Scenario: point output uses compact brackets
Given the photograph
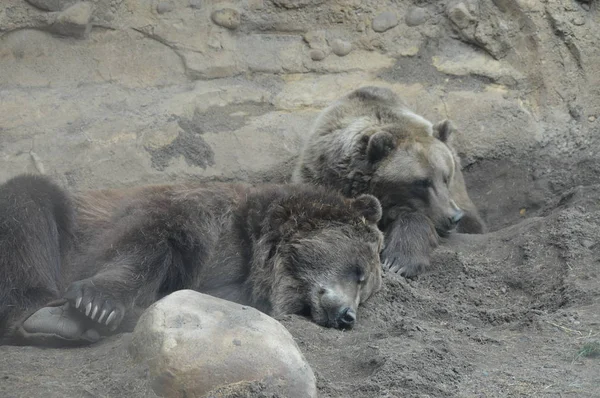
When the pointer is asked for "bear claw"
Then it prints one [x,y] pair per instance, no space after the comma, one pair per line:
[94,304]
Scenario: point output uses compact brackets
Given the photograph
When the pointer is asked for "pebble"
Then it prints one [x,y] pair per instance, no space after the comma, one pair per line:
[75,21]
[164,7]
[317,55]
[341,47]
[51,5]
[196,4]
[460,15]
[592,118]
[384,21]
[227,18]
[416,16]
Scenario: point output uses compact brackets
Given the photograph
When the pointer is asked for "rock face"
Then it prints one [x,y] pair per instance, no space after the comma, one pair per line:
[198,345]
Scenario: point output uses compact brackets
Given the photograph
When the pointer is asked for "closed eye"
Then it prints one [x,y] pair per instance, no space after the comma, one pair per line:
[423,183]
[360,275]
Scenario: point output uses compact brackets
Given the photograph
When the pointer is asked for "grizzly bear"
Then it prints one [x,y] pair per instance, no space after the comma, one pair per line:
[75,267]
[370,142]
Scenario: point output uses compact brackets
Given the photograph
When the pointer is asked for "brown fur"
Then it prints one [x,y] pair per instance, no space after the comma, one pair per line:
[281,249]
[370,142]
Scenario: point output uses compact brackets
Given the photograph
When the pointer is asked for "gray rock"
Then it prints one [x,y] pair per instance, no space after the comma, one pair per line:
[460,15]
[197,4]
[341,47]
[164,7]
[198,345]
[227,18]
[416,16]
[75,21]
[384,21]
[51,5]
[317,54]
[296,4]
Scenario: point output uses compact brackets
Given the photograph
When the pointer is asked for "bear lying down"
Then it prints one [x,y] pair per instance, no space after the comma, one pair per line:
[73,268]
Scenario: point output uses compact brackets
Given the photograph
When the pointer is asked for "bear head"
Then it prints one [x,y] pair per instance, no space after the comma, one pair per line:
[326,259]
[414,169]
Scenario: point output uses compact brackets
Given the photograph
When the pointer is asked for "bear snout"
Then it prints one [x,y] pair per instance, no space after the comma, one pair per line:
[456,217]
[346,318]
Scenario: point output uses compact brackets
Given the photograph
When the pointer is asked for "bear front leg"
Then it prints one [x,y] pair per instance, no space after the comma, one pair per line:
[409,241]
[131,275]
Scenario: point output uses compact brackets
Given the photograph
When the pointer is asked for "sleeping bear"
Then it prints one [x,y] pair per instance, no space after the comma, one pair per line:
[74,267]
[369,142]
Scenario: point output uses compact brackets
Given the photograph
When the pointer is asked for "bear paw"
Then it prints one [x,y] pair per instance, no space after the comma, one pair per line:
[407,267]
[95,305]
[55,325]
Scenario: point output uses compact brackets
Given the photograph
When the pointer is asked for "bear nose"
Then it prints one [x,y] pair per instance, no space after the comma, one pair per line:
[346,317]
[457,217]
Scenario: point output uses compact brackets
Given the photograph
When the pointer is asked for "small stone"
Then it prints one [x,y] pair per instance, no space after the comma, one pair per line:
[75,21]
[227,18]
[416,16]
[196,345]
[384,21]
[592,118]
[214,43]
[341,47]
[317,55]
[51,5]
[164,7]
[315,39]
[460,15]
[578,21]
[587,243]
[197,4]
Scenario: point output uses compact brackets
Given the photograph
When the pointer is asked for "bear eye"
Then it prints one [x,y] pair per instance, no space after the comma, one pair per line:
[423,183]
[360,275]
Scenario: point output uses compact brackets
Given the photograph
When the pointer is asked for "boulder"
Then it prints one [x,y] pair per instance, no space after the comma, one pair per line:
[198,345]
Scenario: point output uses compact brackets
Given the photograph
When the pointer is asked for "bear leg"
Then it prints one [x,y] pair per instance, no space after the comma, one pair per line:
[409,241]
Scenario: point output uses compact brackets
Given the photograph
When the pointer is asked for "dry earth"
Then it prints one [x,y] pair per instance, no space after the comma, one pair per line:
[120,92]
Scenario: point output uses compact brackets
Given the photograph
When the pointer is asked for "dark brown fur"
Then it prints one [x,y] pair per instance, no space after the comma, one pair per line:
[281,249]
[370,142]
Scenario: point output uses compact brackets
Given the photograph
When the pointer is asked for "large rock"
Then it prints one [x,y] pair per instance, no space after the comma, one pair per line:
[198,345]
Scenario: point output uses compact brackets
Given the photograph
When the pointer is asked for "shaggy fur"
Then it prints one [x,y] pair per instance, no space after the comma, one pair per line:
[370,142]
[104,255]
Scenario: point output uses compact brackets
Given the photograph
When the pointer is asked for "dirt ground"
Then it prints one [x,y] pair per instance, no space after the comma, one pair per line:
[513,313]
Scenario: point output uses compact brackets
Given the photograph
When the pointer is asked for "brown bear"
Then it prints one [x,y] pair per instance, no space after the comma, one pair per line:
[370,142]
[73,267]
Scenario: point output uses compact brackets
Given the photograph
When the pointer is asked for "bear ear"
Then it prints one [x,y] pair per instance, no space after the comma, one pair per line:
[443,130]
[380,145]
[369,207]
